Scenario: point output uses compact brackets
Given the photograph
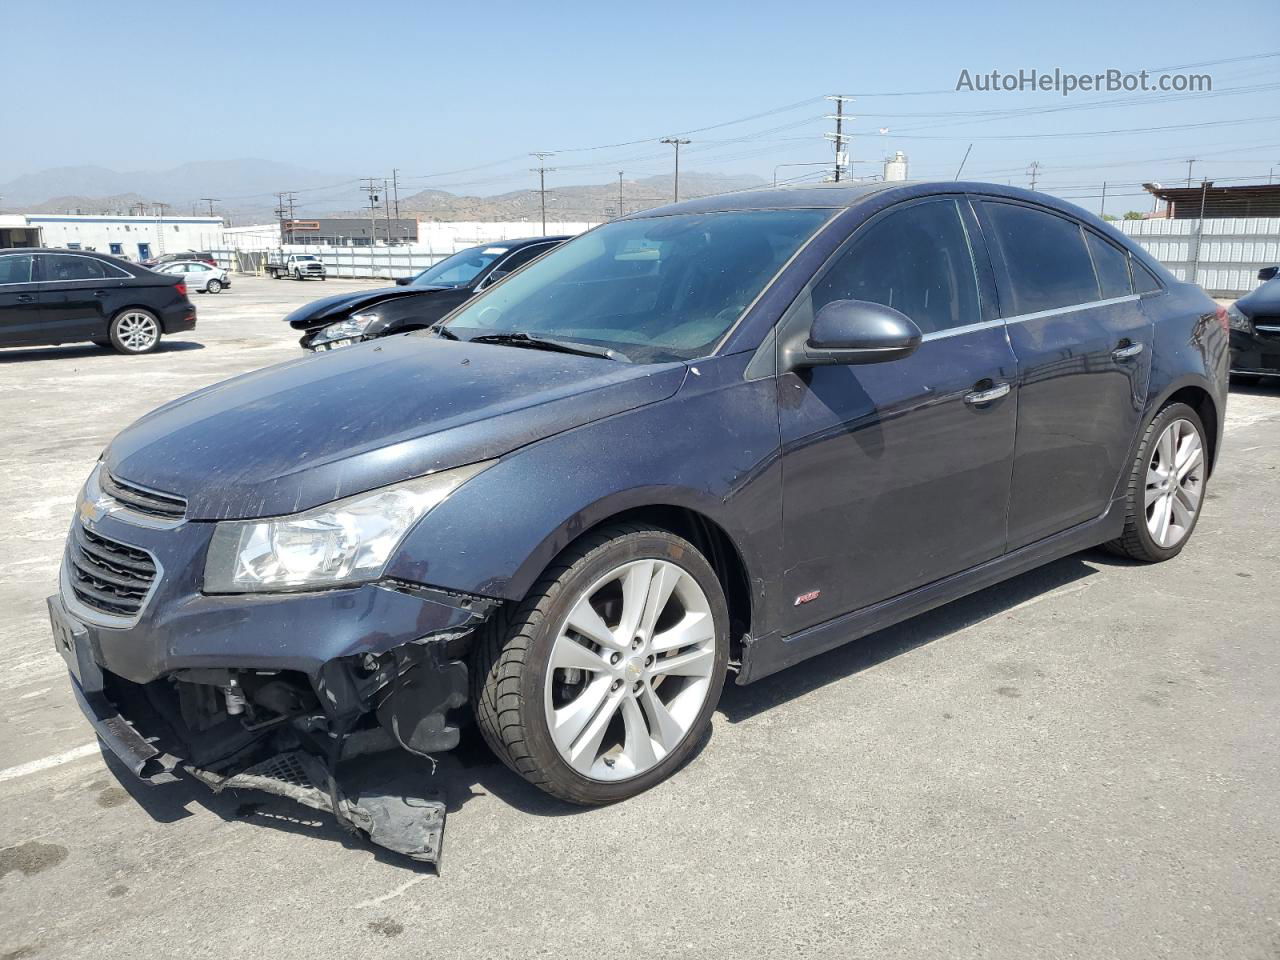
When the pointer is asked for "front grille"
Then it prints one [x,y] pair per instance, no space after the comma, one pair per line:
[107,575]
[153,504]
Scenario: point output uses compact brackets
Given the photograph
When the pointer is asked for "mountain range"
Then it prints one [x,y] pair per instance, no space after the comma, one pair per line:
[244,191]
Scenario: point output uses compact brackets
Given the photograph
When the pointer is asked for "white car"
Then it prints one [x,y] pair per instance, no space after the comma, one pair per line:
[200,277]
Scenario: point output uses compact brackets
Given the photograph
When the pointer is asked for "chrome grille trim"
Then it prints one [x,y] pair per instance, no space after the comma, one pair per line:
[152,503]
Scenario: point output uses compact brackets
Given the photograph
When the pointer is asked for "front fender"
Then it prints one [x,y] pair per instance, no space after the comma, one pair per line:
[712,448]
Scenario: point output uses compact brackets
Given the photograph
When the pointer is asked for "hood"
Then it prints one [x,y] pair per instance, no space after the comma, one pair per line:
[1264,301]
[329,309]
[331,425]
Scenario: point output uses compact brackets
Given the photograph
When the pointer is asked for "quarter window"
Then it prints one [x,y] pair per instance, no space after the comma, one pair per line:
[15,268]
[916,260]
[1111,265]
[1048,265]
[1144,281]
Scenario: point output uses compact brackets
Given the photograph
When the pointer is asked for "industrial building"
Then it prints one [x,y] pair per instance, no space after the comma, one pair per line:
[134,238]
[1220,237]
[350,231]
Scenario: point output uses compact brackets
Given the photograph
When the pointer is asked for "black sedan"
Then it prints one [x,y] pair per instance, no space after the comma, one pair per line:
[1255,330]
[415,302]
[62,296]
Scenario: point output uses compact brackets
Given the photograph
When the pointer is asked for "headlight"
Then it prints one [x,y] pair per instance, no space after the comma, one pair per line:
[341,543]
[1237,320]
[354,326]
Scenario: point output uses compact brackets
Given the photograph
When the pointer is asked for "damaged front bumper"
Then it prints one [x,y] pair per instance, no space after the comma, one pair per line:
[272,692]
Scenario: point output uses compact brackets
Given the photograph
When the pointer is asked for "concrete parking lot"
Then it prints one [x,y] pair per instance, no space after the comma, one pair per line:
[1082,762]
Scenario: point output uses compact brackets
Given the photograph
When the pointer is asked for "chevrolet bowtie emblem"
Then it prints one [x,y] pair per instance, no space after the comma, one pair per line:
[93,510]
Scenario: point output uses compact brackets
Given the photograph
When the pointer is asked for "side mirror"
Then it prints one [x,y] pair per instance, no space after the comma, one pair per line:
[854,332]
[403,281]
[1268,273]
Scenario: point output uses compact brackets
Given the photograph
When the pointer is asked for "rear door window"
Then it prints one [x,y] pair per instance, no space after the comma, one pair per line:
[1047,263]
[62,268]
[1112,266]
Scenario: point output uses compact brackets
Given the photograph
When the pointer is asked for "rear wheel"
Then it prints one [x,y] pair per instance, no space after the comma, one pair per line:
[598,684]
[135,331]
[1166,486]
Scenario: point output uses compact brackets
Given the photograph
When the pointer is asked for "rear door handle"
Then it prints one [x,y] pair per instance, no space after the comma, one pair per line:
[979,397]
[99,293]
[1126,351]
[26,298]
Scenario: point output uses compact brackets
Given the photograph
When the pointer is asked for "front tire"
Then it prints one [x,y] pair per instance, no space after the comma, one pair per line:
[213,286]
[135,331]
[1166,487]
[599,684]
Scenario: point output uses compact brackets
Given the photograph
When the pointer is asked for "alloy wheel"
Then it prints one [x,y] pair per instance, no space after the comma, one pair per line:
[630,669]
[1175,483]
[138,332]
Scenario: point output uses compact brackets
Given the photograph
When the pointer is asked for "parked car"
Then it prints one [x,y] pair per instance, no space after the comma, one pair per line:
[415,302]
[203,256]
[200,277]
[1255,330]
[727,434]
[299,266]
[56,296]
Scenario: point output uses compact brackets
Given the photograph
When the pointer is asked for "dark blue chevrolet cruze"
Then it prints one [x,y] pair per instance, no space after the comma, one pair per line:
[728,434]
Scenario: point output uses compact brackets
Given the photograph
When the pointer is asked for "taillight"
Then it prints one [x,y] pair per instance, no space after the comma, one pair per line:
[1223,318]
[181,287]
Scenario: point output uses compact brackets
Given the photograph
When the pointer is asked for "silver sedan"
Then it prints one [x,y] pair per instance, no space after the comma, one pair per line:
[200,276]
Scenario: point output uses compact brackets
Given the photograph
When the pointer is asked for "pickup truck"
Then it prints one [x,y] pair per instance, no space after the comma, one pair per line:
[300,266]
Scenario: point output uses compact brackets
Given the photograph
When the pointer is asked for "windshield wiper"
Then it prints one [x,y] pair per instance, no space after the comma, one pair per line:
[442,331]
[551,343]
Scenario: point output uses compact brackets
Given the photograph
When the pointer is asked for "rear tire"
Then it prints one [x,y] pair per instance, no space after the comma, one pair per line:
[135,331]
[628,711]
[1166,487]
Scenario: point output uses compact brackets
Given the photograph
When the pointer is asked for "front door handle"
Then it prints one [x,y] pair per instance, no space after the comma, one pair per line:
[979,397]
[99,293]
[26,298]
[1126,351]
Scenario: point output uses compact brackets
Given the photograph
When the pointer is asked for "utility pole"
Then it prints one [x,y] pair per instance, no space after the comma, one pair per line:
[1034,170]
[838,137]
[386,206]
[1195,264]
[542,170]
[1102,207]
[620,194]
[371,187]
[1190,161]
[210,201]
[395,186]
[676,142]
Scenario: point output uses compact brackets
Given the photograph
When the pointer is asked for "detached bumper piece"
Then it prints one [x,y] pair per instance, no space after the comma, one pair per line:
[412,826]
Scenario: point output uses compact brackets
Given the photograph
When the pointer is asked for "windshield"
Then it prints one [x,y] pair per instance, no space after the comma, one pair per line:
[665,288]
[304,258]
[460,269]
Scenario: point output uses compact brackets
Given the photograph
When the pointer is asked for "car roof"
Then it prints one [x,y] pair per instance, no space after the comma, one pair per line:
[841,196]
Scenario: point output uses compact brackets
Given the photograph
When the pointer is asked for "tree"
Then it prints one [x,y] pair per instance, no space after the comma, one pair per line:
[1135,215]
[1108,217]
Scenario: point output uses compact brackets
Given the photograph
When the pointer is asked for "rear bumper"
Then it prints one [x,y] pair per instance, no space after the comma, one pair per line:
[179,318]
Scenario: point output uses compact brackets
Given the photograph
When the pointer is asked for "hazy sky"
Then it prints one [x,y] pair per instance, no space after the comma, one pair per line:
[434,88]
